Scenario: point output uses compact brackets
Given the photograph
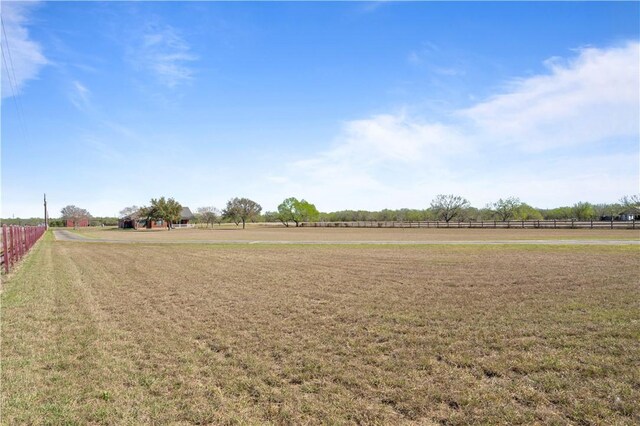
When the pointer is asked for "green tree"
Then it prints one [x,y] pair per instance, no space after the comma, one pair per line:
[583,211]
[164,209]
[506,209]
[270,216]
[469,214]
[526,212]
[610,210]
[287,211]
[447,207]
[241,210]
[306,211]
[296,211]
[559,213]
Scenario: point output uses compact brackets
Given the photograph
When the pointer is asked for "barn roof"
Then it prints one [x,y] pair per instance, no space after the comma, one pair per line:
[186,213]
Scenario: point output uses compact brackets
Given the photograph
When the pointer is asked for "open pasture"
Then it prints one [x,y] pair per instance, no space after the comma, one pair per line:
[290,334]
[292,234]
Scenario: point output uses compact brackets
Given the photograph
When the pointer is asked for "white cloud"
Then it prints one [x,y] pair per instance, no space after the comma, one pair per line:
[166,54]
[23,56]
[587,99]
[514,143]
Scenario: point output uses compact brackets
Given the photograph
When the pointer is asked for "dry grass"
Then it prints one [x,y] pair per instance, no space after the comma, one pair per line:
[280,233]
[199,334]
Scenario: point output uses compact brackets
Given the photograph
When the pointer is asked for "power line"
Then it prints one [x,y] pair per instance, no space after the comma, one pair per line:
[6,41]
[14,83]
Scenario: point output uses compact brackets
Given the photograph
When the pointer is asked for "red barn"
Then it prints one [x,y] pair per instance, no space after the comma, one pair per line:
[78,223]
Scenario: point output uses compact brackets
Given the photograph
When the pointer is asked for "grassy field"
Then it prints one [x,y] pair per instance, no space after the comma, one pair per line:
[290,334]
[271,233]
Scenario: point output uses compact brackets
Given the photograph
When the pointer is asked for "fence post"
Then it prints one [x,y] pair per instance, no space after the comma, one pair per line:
[21,232]
[12,244]
[15,253]
[5,248]
[19,242]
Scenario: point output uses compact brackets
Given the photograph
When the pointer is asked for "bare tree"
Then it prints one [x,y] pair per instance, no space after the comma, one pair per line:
[447,207]
[75,214]
[209,215]
[133,213]
[128,211]
[631,203]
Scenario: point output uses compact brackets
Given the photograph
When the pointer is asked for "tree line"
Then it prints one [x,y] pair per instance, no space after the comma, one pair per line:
[444,207]
[290,211]
[293,212]
[456,208]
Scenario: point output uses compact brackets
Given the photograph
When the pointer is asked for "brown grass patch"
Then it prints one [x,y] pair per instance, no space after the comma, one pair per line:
[319,334]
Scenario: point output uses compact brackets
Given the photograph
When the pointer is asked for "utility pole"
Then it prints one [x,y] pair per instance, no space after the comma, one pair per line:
[46,215]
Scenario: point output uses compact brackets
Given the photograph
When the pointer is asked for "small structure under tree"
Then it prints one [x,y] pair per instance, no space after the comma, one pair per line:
[75,216]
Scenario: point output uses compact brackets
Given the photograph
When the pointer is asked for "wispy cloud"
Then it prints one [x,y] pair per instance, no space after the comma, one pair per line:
[435,60]
[543,138]
[421,55]
[23,56]
[163,51]
[103,150]
[80,96]
[372,6]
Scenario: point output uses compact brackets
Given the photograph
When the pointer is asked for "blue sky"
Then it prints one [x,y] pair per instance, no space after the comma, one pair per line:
[348,105]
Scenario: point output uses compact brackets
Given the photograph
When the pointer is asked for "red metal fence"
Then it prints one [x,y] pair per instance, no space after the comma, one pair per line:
[16,242]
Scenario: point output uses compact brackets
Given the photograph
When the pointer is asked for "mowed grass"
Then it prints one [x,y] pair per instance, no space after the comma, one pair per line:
[213,334]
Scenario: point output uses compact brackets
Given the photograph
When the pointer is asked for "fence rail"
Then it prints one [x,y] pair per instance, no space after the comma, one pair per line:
[16,242]
[491,224]
[182,225]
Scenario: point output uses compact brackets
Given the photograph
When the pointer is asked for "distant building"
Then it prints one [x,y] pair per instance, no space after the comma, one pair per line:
[626,216]
[78,223]
[134,221]
[185,216]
